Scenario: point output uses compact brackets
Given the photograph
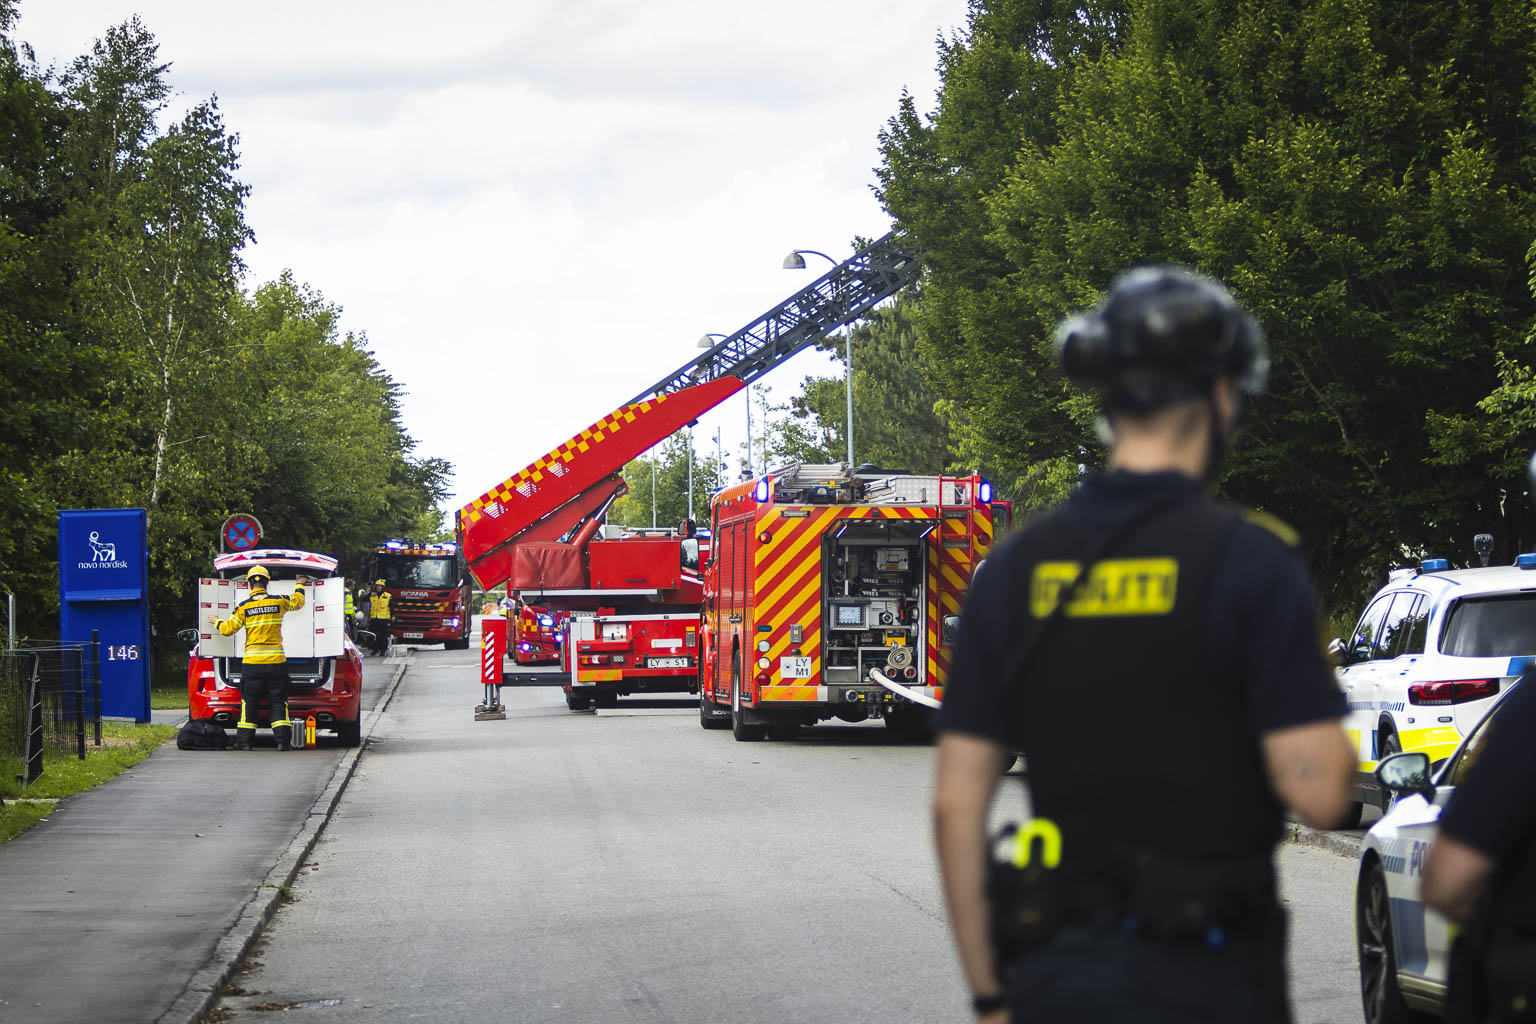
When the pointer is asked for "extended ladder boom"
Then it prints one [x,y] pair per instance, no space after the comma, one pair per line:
[842,295]
[572,485]
[490,526]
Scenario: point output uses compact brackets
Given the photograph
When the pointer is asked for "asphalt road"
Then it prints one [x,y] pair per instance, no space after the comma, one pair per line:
[628,866]
[109,906]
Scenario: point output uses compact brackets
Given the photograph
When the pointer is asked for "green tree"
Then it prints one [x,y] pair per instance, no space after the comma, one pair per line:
[896,421]
[670,463]
[1359,174]
[137,371]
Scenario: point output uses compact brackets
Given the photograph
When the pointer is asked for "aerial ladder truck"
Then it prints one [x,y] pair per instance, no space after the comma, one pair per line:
[635,601]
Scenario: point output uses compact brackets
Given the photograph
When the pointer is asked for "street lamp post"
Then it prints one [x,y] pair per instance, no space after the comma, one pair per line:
[708,341]
[796,261]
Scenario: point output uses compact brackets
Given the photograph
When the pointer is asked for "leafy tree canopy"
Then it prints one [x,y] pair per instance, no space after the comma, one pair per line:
[1359,174]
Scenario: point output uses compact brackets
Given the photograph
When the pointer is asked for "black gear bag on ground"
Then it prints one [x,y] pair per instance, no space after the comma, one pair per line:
[202,734]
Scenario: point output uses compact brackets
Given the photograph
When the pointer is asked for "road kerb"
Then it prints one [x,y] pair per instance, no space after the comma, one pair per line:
[203,991]
[1344,844]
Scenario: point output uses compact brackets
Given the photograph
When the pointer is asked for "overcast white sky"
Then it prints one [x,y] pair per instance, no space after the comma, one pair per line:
[534,208]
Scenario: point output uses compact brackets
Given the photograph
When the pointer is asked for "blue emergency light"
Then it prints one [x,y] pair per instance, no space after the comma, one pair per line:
[1527,560]
[524,646]
[547,621]
[393,545]
[984,492]
[1434,565]
[762,489]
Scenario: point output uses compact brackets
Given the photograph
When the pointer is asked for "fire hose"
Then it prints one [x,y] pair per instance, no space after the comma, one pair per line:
[902,691]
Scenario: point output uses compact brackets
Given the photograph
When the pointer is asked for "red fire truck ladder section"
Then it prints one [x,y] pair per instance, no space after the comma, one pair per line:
[529,530]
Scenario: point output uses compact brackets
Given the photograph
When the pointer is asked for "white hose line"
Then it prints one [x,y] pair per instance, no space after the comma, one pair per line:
[902,691]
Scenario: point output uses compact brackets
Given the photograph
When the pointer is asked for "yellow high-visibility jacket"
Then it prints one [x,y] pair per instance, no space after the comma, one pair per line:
[378,605]
[261,616]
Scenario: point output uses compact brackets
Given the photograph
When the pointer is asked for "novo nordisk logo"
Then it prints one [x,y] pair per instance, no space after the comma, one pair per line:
[103,554]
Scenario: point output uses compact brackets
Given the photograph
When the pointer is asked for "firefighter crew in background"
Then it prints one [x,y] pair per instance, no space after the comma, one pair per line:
[1170,701]
[1480,871]
[349,605]
[378,617]
[264,670]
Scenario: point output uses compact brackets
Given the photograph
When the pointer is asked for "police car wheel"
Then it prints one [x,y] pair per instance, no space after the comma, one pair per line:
[1388,746]
[1379,992]
[1352,816]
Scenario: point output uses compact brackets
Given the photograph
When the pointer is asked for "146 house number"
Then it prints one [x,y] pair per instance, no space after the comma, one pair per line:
[122,652]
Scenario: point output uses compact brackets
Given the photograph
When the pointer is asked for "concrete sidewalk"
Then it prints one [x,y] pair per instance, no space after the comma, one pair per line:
[134,901]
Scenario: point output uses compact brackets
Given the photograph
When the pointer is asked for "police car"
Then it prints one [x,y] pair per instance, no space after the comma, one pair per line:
[1404,947]
[1433,651]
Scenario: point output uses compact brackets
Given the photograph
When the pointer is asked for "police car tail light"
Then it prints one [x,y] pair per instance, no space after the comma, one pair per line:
[1452,691]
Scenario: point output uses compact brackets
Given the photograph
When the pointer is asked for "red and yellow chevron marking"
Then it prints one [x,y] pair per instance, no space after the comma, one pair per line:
[554,462]
[787,576]
[788,692]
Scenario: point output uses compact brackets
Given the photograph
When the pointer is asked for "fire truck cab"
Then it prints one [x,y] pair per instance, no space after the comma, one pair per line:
[429,592]
[824,585]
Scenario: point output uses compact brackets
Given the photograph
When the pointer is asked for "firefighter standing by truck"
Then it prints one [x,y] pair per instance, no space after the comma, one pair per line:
[264,668]
[378,617]
[1220,708]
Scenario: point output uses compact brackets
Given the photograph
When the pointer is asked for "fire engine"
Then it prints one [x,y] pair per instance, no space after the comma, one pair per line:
[538,633]
[634,597]
[834,594]
[428,590]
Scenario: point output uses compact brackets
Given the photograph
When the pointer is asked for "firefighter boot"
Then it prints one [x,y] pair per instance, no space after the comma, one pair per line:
[282,729]
[247,727]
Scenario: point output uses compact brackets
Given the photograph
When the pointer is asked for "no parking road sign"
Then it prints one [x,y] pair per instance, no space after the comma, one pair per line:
[240,533]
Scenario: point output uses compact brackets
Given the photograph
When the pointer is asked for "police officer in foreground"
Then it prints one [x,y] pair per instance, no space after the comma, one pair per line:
[1480,871]
[378,617]
[264,669]
[1170,704]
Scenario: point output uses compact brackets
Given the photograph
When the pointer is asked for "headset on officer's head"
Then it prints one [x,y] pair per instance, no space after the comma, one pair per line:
[1161,335]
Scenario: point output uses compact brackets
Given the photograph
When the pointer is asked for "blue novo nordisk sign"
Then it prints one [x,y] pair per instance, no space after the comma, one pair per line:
[104,586]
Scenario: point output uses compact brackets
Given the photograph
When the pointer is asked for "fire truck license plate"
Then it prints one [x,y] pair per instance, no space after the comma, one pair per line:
[666,663]
[795,668]
[413,636]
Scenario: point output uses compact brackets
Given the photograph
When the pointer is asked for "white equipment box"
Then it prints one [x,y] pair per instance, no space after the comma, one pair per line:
[314,631]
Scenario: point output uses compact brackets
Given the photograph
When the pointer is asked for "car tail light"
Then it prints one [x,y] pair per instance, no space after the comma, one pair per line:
[762,679]
[1452,691]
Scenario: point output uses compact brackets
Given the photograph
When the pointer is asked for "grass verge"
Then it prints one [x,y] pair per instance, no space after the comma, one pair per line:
[169,698]
[123,745]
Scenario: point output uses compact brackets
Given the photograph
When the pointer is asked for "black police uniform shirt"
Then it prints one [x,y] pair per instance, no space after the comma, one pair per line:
[1256,637]
[1494,809]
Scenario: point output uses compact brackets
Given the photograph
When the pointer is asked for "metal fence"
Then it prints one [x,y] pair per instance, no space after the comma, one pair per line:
[50,705]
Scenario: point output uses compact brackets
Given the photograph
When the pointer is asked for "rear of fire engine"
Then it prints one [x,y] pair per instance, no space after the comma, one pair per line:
[632,596]
[832,594]
[643,635]
[429,593]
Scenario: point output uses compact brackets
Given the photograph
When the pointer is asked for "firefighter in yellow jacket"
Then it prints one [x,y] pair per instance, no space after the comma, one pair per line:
[265,668]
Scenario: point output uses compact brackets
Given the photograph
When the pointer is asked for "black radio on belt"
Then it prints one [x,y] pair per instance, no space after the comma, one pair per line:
[1024,887]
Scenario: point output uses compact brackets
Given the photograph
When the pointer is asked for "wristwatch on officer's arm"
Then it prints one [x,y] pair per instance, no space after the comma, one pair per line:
[984,1005]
